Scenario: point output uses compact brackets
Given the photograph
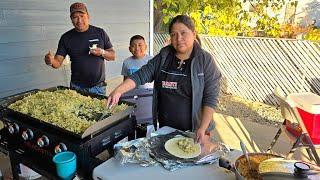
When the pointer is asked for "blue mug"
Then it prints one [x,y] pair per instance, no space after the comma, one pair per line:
[66,164]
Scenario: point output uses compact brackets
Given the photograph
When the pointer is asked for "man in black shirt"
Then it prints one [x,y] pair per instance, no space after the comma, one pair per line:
[87,47]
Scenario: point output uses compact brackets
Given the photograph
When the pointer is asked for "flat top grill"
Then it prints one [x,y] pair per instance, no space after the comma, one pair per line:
[93,129]
[22,134]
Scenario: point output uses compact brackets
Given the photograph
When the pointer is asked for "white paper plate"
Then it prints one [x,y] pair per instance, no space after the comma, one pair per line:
[172,147]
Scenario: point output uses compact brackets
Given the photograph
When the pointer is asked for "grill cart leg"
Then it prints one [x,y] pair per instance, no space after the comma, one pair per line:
[14,166]
[131,136]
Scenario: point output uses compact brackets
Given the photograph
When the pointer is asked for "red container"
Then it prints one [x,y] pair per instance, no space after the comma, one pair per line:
[308,106]
[312,124]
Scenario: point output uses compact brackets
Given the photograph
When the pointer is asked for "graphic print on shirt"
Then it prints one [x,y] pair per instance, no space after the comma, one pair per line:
[132,70]
[169,85]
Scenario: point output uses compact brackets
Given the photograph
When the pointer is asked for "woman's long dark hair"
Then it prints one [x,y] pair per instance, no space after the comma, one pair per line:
[184,19]
[187,21]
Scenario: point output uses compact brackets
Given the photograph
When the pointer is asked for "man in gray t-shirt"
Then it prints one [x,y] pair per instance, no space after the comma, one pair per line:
[139,58]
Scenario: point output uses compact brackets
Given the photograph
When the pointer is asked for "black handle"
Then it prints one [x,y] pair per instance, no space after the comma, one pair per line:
[4,101]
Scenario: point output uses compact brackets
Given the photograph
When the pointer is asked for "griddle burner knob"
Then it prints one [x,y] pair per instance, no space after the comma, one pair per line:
[43,141]
[13,128]
[27,135]
[60,148]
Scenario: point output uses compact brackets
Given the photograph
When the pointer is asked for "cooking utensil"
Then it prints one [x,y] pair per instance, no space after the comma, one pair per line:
[252,171]
[105,111]
[103,115]
[243,147]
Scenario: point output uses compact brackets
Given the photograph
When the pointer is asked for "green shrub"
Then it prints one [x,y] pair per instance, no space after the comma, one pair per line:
[313,35]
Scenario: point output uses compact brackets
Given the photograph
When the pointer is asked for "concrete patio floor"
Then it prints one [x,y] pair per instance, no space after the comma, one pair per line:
[257,137]
[229,130]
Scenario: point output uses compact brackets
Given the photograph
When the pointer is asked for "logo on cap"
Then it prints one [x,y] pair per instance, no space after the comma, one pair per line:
[78,7]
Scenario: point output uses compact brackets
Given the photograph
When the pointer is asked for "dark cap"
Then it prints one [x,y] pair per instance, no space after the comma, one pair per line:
[78,7]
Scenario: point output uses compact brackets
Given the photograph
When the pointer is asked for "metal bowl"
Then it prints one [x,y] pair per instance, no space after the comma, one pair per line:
[241,167]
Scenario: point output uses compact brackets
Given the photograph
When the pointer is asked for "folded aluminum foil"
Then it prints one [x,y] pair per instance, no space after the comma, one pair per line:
[151,152]
[136,151]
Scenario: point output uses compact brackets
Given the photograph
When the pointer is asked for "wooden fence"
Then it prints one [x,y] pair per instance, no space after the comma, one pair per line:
[253,67]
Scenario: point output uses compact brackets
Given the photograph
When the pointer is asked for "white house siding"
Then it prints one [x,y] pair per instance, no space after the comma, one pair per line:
[29,28]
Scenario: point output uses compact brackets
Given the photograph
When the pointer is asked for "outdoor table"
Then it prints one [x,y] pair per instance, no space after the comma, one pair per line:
[112,169]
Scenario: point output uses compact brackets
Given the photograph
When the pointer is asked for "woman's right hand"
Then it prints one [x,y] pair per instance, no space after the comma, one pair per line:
[113,98]
[115,95]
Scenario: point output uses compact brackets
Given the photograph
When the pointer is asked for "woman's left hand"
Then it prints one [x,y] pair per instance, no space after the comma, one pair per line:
[201,136]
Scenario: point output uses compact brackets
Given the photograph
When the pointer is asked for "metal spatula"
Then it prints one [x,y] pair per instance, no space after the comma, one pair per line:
[105,112]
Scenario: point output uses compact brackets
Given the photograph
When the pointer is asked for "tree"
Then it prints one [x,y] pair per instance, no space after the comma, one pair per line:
[260,11]
[205,13]
[221,17]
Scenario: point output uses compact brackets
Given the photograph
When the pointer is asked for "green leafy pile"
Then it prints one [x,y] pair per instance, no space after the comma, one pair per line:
[64,108]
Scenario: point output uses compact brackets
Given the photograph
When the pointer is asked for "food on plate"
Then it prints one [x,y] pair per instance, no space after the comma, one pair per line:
[183,147]
[67,109]
[186,145]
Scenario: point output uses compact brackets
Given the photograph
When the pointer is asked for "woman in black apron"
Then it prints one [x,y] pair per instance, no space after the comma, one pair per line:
[186,82]
[175,93]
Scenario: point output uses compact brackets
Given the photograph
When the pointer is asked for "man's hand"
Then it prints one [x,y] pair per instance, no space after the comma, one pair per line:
[53,61]
[97,51]
[49,58]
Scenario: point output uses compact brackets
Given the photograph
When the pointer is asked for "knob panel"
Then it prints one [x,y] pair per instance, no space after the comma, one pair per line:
[43,141]
[61,147]
[27,134]
[13,128]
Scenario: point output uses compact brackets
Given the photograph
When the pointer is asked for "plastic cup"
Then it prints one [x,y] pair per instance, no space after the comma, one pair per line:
[66,164]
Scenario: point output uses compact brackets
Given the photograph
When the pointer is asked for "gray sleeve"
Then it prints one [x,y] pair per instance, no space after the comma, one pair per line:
[212,76]
[147,72]
[124,70]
